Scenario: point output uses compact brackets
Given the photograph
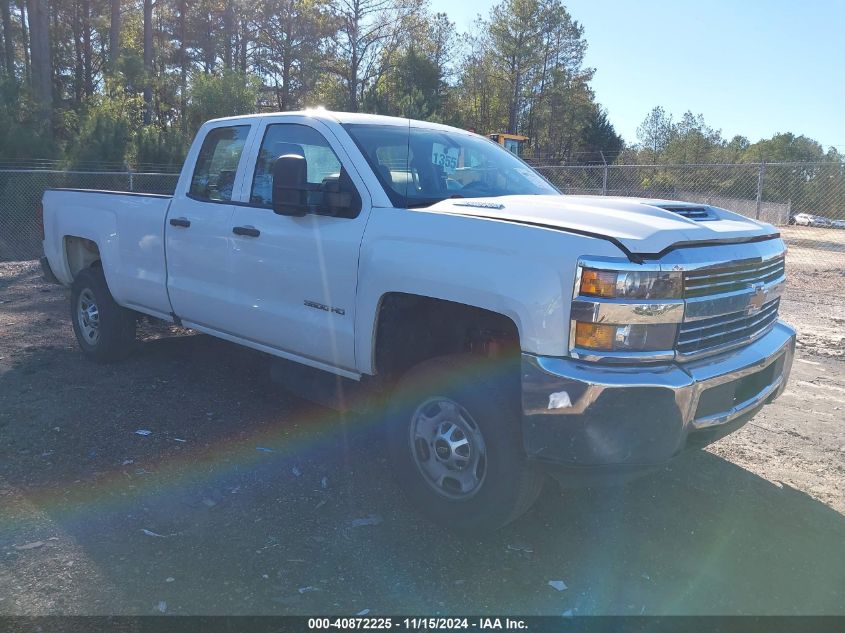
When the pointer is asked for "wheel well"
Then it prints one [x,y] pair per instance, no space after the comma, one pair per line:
[80,253]
[413,328]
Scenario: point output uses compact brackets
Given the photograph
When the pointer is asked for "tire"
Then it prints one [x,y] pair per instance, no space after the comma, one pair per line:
[466,469]
[104,330]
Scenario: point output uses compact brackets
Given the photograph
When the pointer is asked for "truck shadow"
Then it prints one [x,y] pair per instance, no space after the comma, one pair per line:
[259,502]
[704,536]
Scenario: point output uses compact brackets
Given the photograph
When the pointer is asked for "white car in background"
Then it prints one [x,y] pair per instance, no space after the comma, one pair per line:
[808,219]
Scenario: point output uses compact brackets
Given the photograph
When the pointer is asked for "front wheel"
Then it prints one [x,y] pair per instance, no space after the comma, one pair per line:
[104,330]
[456,446]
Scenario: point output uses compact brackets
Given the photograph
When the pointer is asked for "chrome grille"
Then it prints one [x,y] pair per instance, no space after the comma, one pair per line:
[725,330]
[721,303]
[724,279]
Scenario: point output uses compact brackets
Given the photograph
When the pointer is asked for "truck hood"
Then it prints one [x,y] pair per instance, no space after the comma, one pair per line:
[640,225]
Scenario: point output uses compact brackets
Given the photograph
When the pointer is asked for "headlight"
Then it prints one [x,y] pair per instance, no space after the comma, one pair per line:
[626,313]
[625,338]
[611,284]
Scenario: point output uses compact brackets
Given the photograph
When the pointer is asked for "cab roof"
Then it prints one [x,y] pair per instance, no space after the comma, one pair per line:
[351,118]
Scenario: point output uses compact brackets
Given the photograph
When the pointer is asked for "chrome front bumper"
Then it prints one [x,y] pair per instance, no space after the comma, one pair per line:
[582,413]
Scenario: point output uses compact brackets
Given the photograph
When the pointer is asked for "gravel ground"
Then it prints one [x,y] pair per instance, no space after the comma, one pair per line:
[245,500]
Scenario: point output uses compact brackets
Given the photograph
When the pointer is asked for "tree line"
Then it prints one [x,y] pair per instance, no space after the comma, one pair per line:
[690,140]
[129,81]
[786,168]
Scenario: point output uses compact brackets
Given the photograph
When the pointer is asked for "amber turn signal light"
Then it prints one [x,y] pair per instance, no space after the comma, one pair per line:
[594,335]
[598,283]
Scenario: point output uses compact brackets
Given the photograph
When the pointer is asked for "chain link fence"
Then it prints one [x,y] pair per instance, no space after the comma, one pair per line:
[21,191]
[805,200]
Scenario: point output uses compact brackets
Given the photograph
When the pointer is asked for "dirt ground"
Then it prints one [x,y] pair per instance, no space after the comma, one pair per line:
[243,499]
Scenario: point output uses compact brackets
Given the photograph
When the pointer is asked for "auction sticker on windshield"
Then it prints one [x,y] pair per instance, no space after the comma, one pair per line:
[445,157]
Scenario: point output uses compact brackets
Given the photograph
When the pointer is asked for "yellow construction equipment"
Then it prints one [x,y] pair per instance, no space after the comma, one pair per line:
[515,143]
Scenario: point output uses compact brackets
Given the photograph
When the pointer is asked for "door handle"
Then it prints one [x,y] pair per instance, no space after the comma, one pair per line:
[249,231]
[183,222]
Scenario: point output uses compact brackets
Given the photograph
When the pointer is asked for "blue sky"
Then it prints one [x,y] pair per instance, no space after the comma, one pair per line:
[751,67]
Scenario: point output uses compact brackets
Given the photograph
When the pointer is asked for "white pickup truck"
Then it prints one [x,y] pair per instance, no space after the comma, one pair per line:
[510,331]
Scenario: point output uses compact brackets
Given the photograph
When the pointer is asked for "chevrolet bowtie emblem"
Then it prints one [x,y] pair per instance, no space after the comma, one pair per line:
[757,298]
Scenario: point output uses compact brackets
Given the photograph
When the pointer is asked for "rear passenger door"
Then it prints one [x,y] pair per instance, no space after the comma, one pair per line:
[297,276]
[198,228]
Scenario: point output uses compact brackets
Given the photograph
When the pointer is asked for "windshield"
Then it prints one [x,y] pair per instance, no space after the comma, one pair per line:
[419,167]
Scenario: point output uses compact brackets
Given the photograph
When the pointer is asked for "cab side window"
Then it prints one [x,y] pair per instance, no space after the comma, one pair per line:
[326,178]
[217,163]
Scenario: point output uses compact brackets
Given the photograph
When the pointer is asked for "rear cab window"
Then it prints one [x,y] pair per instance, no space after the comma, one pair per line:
[217,163]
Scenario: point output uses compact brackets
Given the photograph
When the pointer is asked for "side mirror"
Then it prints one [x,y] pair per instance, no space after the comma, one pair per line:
[290,185]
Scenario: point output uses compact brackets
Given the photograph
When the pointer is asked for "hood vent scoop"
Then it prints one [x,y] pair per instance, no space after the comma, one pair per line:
[699,214]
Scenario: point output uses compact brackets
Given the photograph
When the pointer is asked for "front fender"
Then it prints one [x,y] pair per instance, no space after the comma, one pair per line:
[522,272]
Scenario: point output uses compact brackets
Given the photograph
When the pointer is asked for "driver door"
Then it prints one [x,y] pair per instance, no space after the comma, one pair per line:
[296,277]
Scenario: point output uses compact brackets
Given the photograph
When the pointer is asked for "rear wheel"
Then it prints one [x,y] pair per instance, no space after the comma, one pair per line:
[104,330]
[456,445]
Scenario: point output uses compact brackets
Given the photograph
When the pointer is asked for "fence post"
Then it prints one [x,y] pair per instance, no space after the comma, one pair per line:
[760,190]
[604,178]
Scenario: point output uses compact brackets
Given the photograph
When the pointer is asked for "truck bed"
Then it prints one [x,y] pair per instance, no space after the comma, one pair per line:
[129,229]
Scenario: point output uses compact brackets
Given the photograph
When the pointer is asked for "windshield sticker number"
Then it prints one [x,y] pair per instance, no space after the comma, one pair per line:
[445,157]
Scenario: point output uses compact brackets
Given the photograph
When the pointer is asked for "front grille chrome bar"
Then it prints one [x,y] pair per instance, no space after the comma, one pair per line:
[745,300]
[733,278]
[725,332]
